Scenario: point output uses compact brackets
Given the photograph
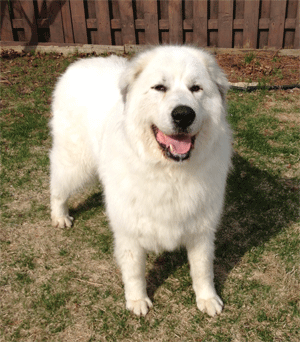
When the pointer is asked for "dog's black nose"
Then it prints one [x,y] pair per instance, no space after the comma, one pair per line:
[183,116]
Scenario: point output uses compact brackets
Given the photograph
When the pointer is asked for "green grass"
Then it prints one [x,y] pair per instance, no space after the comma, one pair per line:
[64,285]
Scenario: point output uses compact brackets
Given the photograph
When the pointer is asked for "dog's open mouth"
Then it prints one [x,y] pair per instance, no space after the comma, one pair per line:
[177,147]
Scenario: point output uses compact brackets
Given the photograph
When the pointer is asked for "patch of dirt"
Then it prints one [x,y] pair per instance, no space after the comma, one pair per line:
[265,67]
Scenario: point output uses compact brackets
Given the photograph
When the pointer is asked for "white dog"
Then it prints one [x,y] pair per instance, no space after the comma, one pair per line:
[154,130]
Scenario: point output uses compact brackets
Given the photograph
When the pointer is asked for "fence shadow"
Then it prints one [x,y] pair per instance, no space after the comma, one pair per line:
[257,207]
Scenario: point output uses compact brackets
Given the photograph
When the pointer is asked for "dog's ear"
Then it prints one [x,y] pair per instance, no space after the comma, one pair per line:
[219,77]
[216,74]
[132,71]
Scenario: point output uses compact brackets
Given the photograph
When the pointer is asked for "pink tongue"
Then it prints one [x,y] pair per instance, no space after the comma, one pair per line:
[181,144]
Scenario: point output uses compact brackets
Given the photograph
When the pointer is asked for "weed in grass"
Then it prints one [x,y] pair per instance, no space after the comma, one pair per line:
[249,57]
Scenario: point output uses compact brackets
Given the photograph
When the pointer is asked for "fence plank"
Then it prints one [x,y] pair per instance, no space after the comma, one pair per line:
[151,22]
[6,31]
[175,22]
[297,33]
[225,23]
[78,20]
[67,22]
[200,23]
[276,28]
[138,8]
[127,20]
[238,18]
[103,22]
[55,21]
[289,35]
[251,17]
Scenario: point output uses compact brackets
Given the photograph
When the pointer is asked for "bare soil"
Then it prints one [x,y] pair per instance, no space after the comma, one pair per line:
[257,66]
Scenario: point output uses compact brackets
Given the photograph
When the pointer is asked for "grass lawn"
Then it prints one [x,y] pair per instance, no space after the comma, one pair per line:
[64,285]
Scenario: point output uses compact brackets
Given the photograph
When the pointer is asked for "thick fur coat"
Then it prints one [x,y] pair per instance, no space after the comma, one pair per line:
[154,131]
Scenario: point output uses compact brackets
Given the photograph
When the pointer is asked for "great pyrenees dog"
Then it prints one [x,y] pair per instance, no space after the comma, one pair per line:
[154,131]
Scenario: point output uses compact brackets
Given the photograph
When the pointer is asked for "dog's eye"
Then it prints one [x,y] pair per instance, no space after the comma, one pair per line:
[195,88]
[160,87]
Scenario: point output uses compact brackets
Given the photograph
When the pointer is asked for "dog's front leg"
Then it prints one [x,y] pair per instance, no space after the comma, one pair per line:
[131,257]
[201,255]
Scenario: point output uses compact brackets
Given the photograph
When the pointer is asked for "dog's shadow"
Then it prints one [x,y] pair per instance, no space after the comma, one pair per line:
[257,206]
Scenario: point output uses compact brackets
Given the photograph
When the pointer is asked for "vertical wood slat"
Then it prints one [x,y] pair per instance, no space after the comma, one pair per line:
[297,33]
[55,21]
[29,21]
[103,22]
[239,14]
[151,22]
[175,22]
[79,22]
[127,21]
[6,31]
[291,13]
[213,14]
[67,22]
[251,17]
[164,14]
[200,21]
[277,19]
[225,23]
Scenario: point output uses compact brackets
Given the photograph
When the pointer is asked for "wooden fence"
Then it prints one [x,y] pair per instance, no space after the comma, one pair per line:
[220,23]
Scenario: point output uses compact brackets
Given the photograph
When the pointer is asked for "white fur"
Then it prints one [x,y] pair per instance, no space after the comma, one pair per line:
[103,110]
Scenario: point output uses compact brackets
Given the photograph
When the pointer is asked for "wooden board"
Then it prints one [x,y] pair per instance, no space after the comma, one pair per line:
[251,17]
[200,23]
[225,23]
[297,29]
[175,22]
[151,22]
[103,22]
[55,21]
[127,22]
[78,21]
[6,31]
[67,23]
[276,28]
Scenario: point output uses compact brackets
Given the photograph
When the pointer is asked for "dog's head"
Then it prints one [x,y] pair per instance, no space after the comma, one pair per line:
[172,96]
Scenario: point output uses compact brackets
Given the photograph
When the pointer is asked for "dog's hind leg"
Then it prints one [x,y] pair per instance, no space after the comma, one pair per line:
[67,176]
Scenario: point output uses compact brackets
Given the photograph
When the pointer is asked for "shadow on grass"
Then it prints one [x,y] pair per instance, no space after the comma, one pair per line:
[89,206]
[257,207]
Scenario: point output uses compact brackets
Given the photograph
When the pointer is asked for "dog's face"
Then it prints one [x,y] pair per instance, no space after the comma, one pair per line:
[171,94]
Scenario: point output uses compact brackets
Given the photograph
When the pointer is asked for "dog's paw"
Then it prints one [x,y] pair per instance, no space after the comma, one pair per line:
[211,306]
[62,222]
[139,307]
